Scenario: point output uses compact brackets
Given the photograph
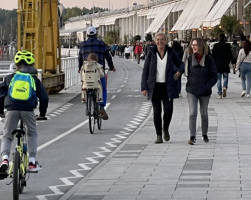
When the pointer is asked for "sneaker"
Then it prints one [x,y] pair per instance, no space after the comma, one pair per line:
[159,139]
[219,96]
[103,113]
[248,95]
[4,165]
[192,140]
[205,138]
[166,135]
[224,92]
[243,93]
[34,167]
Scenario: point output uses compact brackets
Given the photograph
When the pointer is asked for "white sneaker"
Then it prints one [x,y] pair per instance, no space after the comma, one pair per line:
[219,96]
[243,93]
[34,167]
[248,95]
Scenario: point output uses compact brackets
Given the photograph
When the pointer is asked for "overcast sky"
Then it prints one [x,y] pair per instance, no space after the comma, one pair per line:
[114,4]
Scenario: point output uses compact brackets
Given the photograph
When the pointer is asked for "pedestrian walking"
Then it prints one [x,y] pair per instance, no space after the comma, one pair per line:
[162,68]
[188,51]
[127,52]
[244,63]
[138,50]
[235,48]
[222,56]
[202,76]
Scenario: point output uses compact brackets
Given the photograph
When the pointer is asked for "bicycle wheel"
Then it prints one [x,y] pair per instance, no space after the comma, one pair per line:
[23,174]
[91,113]
[99,119]
[16,176]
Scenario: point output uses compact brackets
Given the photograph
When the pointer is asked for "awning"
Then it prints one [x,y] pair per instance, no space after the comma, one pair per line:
[215,15]
[184,15]
[200,14]
[179,6]
[69,31]
[160,18]
[154,11]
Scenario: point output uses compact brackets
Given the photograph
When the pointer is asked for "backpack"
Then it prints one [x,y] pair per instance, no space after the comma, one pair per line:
[22,88]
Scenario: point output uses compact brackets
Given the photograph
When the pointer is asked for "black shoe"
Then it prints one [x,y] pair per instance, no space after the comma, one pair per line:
[205,138]
[192,140]
[159,139]
[166,135]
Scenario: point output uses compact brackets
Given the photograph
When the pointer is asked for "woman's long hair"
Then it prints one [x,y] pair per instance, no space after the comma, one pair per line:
[247,47]
[203,47]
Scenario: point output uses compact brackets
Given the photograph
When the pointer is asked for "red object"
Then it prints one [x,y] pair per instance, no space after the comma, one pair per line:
[138,49]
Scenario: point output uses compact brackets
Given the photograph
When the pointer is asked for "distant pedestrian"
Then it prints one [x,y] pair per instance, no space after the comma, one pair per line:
[138,50]
[188,51]
[162,68]
[244,63]
[127,52]
[235,48]
[222,56]
[202,76]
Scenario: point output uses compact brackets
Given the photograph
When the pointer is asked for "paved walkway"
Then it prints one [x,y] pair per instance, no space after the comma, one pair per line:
[142,170]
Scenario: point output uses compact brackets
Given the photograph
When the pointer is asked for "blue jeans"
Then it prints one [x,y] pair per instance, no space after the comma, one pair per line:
[246,75]
[104,92]
[193,109]
[225,82]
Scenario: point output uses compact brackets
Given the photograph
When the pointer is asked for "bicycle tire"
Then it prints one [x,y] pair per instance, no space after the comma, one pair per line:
[23,177]
[99,118]
[16,176]
[91,113]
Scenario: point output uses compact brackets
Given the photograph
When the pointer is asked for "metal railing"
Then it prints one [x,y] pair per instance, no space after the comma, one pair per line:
[69,67]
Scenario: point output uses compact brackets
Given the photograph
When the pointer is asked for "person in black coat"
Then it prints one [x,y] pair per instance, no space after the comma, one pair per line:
[202,76]
[222,56]
[162,68]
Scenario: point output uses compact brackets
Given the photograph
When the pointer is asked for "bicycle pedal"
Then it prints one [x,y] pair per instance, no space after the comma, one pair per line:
[3,175]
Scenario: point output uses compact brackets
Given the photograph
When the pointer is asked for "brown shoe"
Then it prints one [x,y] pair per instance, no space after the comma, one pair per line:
[224,92]
[166,135]
[159,139]
[103,114]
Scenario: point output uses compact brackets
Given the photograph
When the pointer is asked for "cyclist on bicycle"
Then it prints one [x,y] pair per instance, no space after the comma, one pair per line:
[24,61]
[91,72]
[94,45]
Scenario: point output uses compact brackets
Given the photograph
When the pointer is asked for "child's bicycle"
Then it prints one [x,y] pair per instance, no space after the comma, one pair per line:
[19,165]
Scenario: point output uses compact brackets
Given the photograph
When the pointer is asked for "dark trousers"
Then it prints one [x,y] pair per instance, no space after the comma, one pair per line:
[160,96]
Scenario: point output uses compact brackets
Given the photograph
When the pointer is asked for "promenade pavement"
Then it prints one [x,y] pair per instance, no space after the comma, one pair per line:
[141,170]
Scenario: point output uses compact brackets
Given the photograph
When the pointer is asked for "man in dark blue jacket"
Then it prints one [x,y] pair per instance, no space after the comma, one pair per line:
[93,45]
[22,110]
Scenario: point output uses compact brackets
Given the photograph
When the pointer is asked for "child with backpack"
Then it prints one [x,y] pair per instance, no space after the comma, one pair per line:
[18,95]
[91,72]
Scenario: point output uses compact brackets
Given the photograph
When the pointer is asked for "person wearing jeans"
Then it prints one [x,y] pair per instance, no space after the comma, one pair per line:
[222,76]
[244,63]
[222,55]
[201,77]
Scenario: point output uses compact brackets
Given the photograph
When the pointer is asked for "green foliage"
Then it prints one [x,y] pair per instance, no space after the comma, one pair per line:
[136,38]
[216,31]
[114,34]
[148,37]
[108,39]
[247,15]
[230,24]
[8,24]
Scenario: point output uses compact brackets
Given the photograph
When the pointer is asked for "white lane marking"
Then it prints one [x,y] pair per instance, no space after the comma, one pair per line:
[122,85]
[65,133]
[113,97]
[118,90]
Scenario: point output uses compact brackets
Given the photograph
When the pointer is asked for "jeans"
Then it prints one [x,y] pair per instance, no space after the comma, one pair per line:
[193,108]
[225,82]
[160,96]
[103,104]
[245,75]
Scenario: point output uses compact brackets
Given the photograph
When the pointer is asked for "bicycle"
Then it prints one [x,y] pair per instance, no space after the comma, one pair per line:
[19,165]
[93,110]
